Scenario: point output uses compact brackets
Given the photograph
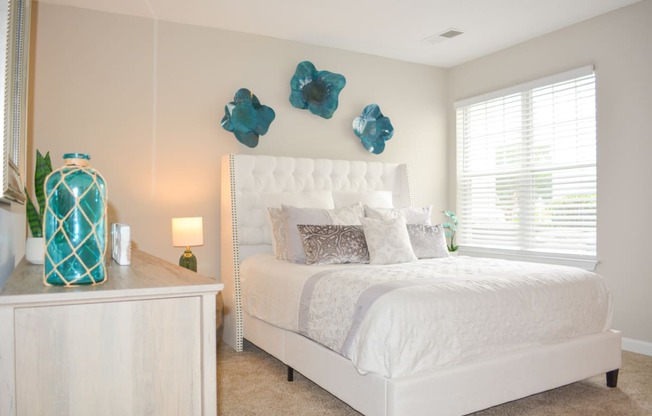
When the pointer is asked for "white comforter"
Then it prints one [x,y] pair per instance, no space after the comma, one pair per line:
[440,312]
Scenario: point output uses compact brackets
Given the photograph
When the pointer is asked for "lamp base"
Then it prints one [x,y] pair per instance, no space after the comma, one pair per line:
[188,260]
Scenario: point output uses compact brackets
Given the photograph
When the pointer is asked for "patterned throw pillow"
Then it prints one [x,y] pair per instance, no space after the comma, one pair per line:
[293,216]
[428,241]
[334,244]
[388,241]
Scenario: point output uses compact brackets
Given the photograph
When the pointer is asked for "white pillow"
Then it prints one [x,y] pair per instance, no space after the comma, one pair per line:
[382,199]
[388,241]
[308,199]
[411,215]
[294,216]
[349,215]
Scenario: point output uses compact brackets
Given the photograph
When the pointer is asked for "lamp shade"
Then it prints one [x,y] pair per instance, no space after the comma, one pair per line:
[188,231]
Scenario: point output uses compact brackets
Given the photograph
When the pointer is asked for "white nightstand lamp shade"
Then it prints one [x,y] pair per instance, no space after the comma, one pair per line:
[188,232]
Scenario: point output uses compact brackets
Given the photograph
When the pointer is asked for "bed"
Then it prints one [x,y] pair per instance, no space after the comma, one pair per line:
[456,385]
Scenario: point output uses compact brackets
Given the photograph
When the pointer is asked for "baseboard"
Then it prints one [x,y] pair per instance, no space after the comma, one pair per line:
[635,345]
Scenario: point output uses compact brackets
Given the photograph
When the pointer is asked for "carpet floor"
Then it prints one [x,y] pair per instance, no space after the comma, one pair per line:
[254,383]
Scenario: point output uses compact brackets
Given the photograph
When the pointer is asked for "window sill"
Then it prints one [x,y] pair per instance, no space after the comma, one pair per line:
[583,262]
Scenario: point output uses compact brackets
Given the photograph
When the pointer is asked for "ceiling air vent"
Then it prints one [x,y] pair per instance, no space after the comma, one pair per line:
[448,34]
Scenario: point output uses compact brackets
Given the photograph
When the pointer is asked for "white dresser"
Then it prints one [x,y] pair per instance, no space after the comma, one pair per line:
[143,343]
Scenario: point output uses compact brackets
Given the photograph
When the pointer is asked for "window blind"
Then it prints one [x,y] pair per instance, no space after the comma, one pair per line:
[526,167]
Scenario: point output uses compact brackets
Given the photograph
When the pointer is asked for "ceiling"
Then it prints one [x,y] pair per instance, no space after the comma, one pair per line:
[401,29]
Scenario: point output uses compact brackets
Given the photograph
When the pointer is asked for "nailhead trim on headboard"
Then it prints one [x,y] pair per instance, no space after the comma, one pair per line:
[236,258]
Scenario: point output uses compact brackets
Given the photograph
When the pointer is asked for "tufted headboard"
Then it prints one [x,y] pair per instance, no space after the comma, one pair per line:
[244,230]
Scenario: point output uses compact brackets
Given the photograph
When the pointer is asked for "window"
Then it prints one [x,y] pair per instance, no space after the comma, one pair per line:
[526,170]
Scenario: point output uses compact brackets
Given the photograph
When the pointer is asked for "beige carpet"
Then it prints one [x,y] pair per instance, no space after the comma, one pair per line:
[254,383]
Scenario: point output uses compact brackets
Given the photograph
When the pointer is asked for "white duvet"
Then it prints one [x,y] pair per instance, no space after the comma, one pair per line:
[438,312]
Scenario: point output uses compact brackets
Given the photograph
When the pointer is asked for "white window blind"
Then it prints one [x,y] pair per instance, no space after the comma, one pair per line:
[526,168]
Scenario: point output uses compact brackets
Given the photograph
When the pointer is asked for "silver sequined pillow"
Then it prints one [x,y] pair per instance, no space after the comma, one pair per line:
[334,244]
[428,241]
[279,233]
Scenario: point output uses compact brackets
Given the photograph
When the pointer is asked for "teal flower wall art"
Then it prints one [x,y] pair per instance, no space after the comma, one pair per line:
[373,129]
[247,118]
[317,91]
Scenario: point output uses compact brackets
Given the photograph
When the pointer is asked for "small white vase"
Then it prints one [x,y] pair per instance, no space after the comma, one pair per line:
[35,250]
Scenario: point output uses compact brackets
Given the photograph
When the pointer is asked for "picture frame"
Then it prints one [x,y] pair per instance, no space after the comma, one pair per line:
[14,63]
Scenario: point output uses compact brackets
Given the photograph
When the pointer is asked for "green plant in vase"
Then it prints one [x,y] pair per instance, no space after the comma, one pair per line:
[35,247]
[451,228]
[34,214]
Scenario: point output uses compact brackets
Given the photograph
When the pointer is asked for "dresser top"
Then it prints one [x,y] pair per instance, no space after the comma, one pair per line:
[147,276]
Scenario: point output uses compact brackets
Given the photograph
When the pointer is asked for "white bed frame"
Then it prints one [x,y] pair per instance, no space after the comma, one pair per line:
[453,390]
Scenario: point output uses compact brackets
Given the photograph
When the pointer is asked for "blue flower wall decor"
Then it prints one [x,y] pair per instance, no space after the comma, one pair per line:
[373,129]
[247,118]
[314,90]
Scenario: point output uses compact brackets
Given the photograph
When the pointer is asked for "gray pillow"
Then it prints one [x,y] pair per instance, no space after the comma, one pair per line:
[334,244]
[428,241]
[294,216]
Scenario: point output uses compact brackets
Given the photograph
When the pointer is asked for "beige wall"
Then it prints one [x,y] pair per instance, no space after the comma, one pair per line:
[145,100]
[619,44]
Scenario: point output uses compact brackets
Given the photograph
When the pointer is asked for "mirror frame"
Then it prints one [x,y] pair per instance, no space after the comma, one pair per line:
[14,63]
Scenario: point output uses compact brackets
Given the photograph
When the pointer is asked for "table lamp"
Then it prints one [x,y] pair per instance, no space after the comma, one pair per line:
[188,232]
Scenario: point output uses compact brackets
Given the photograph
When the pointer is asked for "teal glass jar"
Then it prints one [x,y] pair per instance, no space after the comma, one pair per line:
[75,228]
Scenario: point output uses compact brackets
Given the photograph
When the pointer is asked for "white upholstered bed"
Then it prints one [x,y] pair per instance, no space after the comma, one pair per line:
[455,389]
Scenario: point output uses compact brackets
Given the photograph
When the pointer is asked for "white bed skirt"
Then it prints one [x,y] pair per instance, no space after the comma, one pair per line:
[455,390]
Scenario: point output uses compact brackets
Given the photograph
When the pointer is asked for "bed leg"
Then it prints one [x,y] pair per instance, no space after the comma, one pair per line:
[291,373]
[612,378]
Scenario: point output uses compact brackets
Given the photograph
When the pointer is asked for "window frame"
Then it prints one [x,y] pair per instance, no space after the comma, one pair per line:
[588,262]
